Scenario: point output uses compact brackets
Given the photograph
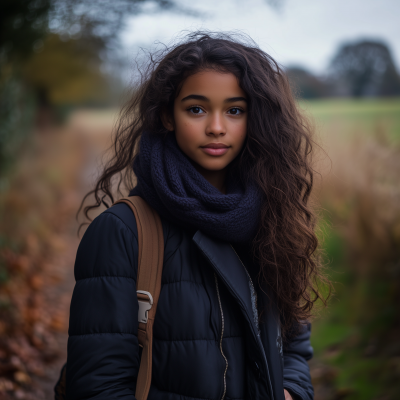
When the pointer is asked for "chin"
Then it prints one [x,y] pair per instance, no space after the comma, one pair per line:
[214,166]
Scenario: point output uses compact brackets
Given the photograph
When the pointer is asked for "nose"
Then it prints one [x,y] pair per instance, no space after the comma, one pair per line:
[216,126]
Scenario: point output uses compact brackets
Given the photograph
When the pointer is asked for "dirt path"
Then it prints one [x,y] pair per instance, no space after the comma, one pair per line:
[60,296]
[93,130]
[89,135]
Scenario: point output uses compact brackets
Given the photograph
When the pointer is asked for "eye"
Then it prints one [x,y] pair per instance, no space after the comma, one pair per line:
[235,111]
[195,110]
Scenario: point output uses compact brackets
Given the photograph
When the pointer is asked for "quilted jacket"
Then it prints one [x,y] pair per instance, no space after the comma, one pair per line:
[207,342]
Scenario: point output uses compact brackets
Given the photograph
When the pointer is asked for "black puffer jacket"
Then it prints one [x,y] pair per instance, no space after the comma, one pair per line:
[206,341]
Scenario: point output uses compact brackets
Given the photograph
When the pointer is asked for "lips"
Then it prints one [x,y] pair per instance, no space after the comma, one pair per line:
[215,149]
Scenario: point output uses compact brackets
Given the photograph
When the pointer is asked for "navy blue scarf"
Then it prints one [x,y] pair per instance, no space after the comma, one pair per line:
[168,181]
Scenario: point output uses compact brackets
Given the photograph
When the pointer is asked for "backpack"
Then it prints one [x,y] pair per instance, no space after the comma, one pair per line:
[148,287]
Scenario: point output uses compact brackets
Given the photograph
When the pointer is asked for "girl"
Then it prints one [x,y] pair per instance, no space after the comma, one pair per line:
[221,152]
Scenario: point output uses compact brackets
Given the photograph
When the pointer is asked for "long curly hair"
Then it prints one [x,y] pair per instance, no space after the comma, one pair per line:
[276,155]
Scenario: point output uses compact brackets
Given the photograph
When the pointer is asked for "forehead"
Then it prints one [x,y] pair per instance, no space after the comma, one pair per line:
[212,84]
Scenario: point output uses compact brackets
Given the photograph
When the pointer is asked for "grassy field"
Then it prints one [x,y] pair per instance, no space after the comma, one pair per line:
[346,118]
[357,339]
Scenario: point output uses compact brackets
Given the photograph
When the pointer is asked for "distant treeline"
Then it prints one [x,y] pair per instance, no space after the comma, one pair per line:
[56,55]
[361,69]
[66,52]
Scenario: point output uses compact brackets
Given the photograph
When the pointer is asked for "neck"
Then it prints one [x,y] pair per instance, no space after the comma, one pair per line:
[216,178]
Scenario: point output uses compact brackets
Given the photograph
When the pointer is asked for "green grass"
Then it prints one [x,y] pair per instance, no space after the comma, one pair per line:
[359,311]
[348,117]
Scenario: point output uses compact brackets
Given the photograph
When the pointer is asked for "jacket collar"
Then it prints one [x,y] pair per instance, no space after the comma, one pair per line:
[230,270]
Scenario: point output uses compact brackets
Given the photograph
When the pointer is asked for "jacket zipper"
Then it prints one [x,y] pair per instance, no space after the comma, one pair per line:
[222,335]
[247,272]
[260,343]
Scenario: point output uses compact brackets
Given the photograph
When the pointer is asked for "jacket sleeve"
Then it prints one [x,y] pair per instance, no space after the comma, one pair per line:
[103,351]
[296,372]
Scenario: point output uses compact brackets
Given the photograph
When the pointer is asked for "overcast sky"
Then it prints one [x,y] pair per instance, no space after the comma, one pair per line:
[302,32]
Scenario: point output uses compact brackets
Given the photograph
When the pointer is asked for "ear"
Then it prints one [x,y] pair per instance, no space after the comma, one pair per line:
[167,120]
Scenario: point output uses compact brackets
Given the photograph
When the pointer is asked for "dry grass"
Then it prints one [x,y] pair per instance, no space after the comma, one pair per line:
[357,339]
[361,192]
[37,211]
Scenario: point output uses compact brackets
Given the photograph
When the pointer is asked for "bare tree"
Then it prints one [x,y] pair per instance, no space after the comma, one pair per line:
[367,69]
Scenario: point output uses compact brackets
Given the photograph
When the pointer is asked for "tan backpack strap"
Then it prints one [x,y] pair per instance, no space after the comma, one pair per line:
[148,284]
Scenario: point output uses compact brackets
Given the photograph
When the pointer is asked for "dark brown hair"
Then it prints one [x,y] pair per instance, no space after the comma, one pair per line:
[276,155]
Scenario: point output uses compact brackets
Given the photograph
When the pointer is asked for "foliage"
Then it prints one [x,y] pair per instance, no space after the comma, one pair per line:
[356,341]
[35,210]
[60,46]
[22,23]
[305,84]
[361,69]
[17,108]
[367,68]
[104,20]
[52,53]
[66,71]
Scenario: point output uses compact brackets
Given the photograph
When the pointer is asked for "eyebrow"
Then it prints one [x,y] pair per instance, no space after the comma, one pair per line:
[204,98]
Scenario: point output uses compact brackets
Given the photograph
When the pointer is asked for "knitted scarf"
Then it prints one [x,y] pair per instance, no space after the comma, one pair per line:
[169,183]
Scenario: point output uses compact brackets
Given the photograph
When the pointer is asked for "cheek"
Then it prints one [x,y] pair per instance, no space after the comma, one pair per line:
[239,132]
[188,132]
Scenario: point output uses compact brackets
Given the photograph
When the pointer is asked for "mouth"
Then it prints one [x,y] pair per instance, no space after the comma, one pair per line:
[215,149]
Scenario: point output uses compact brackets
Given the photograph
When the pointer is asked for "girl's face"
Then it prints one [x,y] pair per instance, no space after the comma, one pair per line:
[210,119]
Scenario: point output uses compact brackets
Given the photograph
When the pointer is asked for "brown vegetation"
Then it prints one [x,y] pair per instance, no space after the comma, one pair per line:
[36,210]
[357,339]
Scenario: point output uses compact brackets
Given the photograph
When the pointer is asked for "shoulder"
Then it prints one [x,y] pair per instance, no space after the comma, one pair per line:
[109,246]
[121,213]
